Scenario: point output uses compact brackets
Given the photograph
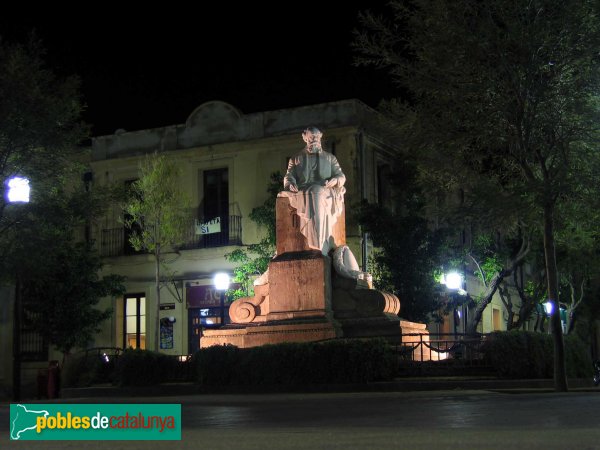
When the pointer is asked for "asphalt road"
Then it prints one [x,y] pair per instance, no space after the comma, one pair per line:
[408,420]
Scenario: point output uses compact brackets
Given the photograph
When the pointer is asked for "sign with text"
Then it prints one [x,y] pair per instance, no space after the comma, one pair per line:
[205,296]
[91,422]
[167,306]
[212,226]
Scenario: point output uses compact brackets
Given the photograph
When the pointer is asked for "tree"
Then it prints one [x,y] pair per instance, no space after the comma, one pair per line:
[40,125]
[40,130]
[58,277]
[505,90]
[158,214]
[254,260]
[578,251]
[495,259]
[408,253]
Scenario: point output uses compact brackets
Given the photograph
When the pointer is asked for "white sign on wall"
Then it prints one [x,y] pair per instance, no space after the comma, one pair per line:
[212,226]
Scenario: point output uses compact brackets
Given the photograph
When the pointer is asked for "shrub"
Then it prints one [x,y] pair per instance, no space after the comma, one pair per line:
[75,372]
[578,357]
[523,354]
[290,364]
[84,369]
[142,368]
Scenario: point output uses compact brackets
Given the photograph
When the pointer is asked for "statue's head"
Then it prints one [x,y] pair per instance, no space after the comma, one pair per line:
[312,136]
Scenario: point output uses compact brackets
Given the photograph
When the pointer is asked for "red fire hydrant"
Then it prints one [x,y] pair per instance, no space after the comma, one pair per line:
[53,379]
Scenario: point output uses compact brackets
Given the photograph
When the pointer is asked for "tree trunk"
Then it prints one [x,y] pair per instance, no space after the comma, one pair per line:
[506,298]
[484,301]
[525,311]
[493,286]
[157,280]
[560,374]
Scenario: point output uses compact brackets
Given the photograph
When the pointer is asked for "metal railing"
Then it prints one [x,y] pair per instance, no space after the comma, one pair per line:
[231,234]
[112,240]
[33,345]
[441,346]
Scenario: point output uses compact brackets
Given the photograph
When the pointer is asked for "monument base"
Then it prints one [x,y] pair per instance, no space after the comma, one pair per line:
[269,333]
[416,335]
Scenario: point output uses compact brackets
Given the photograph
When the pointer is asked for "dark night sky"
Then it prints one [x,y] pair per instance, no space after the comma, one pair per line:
[152,66]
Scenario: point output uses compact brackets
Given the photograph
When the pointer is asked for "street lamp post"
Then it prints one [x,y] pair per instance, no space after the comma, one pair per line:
[16,388]
[17,192]
[221,282]
[454,282]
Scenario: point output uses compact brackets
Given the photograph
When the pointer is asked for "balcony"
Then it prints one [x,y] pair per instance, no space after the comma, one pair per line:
[113,243]
[231,234]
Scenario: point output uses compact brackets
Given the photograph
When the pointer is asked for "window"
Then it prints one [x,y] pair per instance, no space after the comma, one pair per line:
[134,323]
[34,347]
[216,204]
[384,185]
[496,319]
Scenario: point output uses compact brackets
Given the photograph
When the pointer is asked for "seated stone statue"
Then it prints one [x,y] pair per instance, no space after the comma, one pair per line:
[314,184]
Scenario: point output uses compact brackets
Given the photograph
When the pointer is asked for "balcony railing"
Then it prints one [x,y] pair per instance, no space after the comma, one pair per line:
[231,234]
[112,241]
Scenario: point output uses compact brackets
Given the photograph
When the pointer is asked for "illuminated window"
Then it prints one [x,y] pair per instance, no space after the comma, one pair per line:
[496,319]
[135,321]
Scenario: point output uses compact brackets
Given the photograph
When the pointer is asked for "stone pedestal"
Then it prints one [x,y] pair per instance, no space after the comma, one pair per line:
[364,313]
[299,286]
[422,352]
[276,333]
[295,306]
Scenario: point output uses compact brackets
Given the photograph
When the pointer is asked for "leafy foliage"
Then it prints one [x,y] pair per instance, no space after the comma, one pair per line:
[158,214]
[137,367]
[158,207]
[40,127]
[408,253]
[59,276]
[502,102]
[66,315]
[522,354]
[254,260]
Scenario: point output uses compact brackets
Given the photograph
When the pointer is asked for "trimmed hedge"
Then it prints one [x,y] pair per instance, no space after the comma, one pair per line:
[524,354]
[79,371]
[131,368]
[88,367]
[145,368]
[290,364]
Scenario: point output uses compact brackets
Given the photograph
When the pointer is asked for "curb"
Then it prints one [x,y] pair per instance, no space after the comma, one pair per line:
[398,385]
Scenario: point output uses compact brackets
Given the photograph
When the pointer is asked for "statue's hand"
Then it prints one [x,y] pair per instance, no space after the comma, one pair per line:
[292,187]
[331,183]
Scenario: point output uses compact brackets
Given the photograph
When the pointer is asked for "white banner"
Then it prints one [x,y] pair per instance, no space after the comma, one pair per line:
[212,226]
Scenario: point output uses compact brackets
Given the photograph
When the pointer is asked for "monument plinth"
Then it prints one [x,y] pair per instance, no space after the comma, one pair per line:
[294,305]
[313,289]
[298,285]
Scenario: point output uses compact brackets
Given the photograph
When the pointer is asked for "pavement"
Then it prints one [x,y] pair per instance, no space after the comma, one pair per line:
[433,419]
[397,385]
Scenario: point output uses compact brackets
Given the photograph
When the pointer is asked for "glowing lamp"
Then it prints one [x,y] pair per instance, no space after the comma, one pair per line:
[18,190]
[453,280]
[221,281]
